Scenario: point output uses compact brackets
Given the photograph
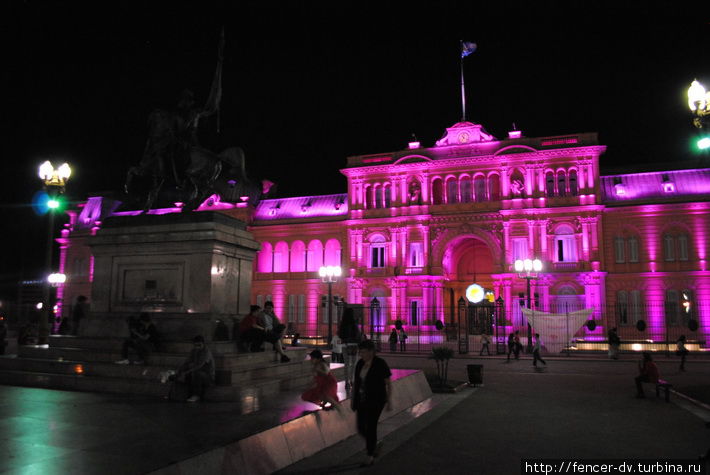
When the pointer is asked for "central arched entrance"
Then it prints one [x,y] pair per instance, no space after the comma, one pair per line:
[467,260]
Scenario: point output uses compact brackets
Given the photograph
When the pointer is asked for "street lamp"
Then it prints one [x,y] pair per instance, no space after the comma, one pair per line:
[528,269]
[699,104]
[55,180]
[329,275]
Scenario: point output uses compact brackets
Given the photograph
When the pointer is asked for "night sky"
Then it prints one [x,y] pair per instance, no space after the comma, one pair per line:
[307,84]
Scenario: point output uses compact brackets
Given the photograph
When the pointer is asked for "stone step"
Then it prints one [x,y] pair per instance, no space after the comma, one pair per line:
[116,343]
[149,385]
[228,361]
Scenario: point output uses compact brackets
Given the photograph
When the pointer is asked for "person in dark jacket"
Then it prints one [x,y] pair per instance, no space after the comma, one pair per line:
[372,392]
[350,335]
[143,338]
[198,369]
[393,340]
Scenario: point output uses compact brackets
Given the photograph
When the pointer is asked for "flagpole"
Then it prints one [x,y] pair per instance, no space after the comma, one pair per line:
[463,87]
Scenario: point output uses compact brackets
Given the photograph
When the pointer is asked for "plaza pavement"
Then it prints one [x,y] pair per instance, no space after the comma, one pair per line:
[579,408]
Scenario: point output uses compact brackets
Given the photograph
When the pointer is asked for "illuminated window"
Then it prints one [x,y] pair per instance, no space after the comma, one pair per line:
[565,244]
[332,253]
[466,190]
[314,256]
[494,187]
[377,252]
[561,186]
[520,248]
[452,191]
[298,256]
[550,184]
[266,259]
[437,192]
[416,256]
[573,190]
[281,257]
[479,189]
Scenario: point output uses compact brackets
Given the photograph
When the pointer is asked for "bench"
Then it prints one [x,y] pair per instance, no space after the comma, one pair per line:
[666,386]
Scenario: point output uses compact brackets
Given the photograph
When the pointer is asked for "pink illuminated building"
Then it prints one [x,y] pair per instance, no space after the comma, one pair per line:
[416,227]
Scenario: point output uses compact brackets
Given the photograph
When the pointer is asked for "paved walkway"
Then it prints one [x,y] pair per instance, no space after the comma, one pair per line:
[582,409]
[575,409]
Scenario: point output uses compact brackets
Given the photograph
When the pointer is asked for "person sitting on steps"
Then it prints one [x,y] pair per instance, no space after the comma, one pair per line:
[274,330]
[648,373]
[198,370]
[143,338]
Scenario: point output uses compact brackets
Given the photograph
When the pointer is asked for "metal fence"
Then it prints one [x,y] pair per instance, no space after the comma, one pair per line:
[564,327]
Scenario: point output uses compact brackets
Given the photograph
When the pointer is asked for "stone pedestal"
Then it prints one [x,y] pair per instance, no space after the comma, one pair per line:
[188,270]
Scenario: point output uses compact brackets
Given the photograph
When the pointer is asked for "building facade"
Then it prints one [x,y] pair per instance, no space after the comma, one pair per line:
[418,226]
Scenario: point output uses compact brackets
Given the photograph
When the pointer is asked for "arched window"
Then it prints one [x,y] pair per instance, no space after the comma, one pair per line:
[366,197]
[561,186]
[452,190]
[479,188]
[377,251]
[565,244]
[517,185]
[332,253]
[378,197]
[466,191]
[298,256]
[281,257]
[573,189]
[266,258]
[494,187]
[387,195]
[314,256]
[437,192]
[550,184]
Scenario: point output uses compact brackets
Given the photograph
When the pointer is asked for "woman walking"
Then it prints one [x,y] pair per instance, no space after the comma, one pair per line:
[372,393]
[681,351]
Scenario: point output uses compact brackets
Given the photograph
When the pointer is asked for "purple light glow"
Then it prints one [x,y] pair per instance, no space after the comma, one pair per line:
[302,207]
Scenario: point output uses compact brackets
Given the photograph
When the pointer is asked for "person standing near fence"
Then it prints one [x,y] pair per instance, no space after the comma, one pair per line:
[614,344]
[393,340]
[402,340]
[350,335]
[511,345]
[536,351]
[681,351]
[485,342]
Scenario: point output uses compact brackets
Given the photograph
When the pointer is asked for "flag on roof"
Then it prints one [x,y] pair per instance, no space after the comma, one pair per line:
[467,48]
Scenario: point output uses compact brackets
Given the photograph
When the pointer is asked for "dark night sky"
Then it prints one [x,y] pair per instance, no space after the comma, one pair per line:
[308,83]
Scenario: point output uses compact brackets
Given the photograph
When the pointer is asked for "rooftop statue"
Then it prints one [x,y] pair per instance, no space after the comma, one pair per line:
[173,153]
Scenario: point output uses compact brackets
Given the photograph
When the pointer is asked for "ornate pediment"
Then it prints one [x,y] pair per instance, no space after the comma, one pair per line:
[464,133]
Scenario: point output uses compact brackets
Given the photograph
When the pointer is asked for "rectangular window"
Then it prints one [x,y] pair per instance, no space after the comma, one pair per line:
[291,308]
[633,249]
[668,248]
[415,311]
[635,306]
[416,256]
[672,307]
[566,248]
[377,258]
[619,257]
[622,307]
[682,247]
[301,308]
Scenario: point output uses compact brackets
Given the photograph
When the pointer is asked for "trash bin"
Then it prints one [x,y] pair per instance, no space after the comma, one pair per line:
[475,374]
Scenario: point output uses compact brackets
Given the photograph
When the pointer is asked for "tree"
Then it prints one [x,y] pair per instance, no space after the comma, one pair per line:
[442,355]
